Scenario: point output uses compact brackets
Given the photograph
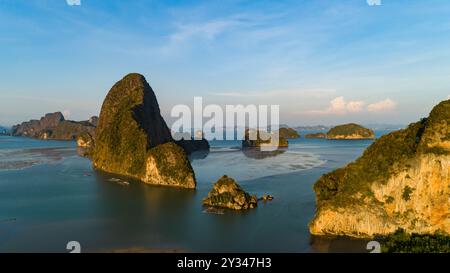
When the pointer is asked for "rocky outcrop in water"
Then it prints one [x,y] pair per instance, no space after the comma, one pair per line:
[288,133]
[258,139]
[53,126]
[402,181]
[132,138]
[350,131]
[193,145]
[85,144]
[226,193]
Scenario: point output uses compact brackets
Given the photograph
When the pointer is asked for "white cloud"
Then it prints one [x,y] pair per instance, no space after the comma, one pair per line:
[355,106]
[384,105]
[340,106]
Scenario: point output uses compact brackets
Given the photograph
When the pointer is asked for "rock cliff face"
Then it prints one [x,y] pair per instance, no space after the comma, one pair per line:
[53,126]
[226,193]
[133,139]
[350,131]
[402,181]
[34,128]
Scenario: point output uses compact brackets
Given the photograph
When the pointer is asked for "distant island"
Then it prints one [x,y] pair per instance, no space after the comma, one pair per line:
[316,135]
[312,128]
[288,133]
[54,126]
[258,139]
[350,131]
[402,181]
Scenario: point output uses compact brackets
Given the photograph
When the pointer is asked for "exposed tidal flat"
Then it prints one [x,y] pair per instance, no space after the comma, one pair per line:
[59,198]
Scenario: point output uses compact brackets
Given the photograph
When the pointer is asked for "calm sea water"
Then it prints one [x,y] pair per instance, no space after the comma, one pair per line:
[50,196]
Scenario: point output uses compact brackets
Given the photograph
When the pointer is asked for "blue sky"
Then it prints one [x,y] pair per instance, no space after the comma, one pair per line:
[323,62]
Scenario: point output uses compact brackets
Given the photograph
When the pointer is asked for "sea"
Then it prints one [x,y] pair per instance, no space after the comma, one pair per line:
[50,196]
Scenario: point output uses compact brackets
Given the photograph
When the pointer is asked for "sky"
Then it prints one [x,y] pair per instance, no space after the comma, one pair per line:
[323,61]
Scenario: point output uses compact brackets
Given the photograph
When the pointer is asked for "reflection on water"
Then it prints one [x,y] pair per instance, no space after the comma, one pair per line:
[338,244]
[256,153]
[249,164]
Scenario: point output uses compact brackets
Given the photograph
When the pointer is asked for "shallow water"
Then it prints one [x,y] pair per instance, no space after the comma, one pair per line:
[59,198]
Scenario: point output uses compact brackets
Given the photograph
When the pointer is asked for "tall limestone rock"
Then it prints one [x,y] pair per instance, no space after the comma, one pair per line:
[402,181]
[133,139]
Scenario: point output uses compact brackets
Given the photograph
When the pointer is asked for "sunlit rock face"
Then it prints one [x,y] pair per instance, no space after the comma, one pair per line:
[226,193]
[401,181]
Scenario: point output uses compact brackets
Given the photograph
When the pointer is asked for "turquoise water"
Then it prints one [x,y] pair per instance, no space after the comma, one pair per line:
[50,196]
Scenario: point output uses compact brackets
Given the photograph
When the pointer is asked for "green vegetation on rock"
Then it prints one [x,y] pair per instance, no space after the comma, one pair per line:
[257,139]
[406,195]
[350,131]
[288,133]
[402,242]
[400,181]
[53,126]
[226,193]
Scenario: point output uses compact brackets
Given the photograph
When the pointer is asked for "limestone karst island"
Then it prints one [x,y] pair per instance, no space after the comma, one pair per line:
[245,128]
[401,181]
[132,138]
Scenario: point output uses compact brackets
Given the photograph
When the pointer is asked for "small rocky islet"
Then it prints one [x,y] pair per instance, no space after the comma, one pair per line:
[226,193]
[288,133]
[316,135]
[350,131]
[259,139]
